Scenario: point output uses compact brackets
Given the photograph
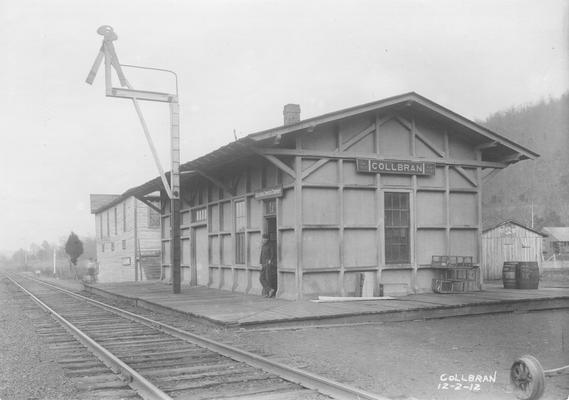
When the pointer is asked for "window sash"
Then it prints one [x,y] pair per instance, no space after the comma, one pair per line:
[199,214]
[115,220]
[240,226]
[108,223]
[124,217]
[240,248]
[153,218]
[397,228]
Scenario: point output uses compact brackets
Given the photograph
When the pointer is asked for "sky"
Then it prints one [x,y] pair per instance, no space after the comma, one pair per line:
[238,63]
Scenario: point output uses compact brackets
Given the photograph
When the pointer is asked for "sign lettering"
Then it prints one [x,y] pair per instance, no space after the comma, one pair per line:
[400,167]
[269,193]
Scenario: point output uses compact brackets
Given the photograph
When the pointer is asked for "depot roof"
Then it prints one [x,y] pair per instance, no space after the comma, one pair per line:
[494,146]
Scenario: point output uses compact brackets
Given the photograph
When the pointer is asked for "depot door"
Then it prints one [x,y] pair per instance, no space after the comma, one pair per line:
[271,230]
[200,255]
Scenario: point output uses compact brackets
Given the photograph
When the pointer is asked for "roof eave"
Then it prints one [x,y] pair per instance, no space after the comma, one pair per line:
[408,99]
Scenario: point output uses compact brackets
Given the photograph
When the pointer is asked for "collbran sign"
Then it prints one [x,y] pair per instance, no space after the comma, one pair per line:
[269,193]
[400,167]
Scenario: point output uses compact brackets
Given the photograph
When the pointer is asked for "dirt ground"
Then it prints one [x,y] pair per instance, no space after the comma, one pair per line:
[415,359]
[399,360]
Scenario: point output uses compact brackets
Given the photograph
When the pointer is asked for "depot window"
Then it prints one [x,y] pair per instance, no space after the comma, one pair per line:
[153,218]
[397,228]
[240,224]
[124,217]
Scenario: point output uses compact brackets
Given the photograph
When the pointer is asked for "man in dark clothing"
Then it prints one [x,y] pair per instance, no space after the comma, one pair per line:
[268,264]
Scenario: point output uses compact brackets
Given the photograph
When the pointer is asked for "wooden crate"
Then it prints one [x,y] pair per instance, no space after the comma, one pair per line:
[447,286]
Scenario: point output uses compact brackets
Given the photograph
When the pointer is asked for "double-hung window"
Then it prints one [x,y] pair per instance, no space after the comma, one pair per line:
[240,225]
[397,228]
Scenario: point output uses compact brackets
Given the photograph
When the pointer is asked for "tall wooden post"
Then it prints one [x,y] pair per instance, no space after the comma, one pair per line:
[175,243]
[136,254]
[173,189]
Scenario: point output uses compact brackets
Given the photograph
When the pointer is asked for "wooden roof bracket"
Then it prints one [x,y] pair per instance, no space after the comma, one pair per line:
[188,200]
[513,159]
[149,204]
[487,145]
[465,175]
[314,167]
[216,182]
[275,161]
[490,175]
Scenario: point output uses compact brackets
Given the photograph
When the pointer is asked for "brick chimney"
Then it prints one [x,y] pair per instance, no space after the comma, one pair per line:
[291,114]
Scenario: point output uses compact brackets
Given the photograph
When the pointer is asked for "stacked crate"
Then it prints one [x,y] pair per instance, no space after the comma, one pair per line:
[458,274]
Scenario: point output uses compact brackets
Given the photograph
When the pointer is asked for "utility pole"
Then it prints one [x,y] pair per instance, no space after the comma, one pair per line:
[108,54]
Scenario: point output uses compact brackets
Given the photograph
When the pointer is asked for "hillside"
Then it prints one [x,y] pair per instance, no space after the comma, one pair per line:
[543,127]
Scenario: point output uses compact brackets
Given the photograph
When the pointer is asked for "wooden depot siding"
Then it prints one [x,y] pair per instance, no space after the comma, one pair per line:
[509,242]
[330,217]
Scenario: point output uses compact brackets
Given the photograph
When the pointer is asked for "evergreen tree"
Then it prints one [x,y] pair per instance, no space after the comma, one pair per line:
[74,248]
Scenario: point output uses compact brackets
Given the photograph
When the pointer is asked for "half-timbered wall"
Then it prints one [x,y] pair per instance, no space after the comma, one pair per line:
[331,218]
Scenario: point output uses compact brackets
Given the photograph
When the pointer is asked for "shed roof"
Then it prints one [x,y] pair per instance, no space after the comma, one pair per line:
[560,234]
[497,147]
[511,221]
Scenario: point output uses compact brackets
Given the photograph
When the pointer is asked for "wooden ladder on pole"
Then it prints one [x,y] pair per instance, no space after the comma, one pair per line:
[108,54]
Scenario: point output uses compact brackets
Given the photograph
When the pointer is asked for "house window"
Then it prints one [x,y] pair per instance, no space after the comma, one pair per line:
[115,215]
[112,246]
[397,228]
[102,247]
[240,224]
[124,217]
[153,218]
[108,224]
[124,244]
[100,225]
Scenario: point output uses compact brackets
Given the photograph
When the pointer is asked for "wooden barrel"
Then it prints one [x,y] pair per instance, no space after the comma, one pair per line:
[509,274]
[528,275]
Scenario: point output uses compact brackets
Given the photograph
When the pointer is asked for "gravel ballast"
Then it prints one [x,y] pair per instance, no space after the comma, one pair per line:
[28,368]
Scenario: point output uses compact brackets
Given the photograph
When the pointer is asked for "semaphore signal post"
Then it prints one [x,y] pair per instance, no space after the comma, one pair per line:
[108,55]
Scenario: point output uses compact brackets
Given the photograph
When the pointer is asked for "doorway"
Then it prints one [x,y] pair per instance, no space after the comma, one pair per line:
[200,254]
[271,230]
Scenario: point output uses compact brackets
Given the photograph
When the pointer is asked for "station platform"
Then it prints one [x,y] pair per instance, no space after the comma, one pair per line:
[231,309]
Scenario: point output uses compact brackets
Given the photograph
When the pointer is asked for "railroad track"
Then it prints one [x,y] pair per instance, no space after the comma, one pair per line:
[118,354]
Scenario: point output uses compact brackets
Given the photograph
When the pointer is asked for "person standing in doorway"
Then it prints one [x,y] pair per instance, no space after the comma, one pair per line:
[267,260]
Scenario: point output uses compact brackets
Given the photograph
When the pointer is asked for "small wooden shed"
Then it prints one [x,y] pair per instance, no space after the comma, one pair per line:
[509,241]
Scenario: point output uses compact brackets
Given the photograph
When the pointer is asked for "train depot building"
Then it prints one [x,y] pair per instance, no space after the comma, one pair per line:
[357,201]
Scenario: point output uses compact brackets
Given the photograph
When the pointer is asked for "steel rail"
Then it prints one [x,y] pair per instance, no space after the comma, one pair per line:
[141,385]
[307,379]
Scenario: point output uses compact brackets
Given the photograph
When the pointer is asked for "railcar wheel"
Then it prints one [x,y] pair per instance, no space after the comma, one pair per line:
[528,378]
